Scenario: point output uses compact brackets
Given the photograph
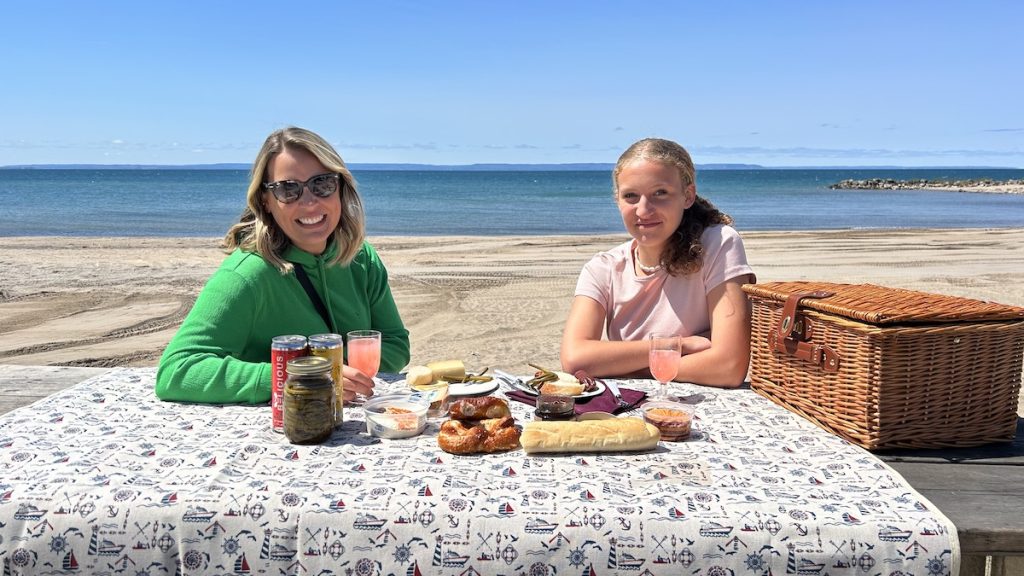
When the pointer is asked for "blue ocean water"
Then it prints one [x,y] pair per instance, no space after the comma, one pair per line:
[111,202]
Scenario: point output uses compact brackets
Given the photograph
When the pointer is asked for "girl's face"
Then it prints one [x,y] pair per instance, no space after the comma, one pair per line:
[309,221]
[651,199]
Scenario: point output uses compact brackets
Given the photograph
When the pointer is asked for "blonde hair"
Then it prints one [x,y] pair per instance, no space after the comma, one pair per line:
[256,230]
[684,253]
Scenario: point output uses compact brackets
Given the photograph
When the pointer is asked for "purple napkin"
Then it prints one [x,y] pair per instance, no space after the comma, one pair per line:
[603,402]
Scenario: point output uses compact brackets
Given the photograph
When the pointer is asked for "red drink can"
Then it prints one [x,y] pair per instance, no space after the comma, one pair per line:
[282,349]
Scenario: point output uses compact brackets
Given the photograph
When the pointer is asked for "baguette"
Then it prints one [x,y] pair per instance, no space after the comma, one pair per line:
[612,435]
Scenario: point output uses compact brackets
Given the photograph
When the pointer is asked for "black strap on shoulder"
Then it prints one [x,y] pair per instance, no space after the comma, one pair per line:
[300,273]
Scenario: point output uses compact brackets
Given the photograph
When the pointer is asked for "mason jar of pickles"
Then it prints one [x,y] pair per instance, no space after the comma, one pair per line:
[332,346]
[309,402]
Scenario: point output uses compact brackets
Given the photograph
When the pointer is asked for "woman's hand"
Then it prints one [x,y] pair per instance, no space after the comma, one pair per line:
[355,382]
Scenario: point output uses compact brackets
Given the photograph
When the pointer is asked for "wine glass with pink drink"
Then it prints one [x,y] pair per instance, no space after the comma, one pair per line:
[364,351]
[664,360]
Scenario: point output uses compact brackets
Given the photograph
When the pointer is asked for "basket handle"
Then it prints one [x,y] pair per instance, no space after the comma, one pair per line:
[782,339]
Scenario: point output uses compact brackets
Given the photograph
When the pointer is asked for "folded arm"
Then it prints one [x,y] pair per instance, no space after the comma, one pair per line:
[205,360]
[719,360]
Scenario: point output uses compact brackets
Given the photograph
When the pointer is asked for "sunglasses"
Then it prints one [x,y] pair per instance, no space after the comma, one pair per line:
[288,191]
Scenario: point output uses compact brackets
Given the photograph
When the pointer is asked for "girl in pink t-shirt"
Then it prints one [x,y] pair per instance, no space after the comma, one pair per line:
[681,274]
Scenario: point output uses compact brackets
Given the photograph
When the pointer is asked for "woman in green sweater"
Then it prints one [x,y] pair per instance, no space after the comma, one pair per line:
[302,210]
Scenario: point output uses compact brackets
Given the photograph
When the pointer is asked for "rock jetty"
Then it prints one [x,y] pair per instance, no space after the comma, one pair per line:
[972,185]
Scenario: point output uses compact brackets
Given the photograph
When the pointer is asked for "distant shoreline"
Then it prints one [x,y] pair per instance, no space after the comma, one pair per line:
[974,185]
[478,167]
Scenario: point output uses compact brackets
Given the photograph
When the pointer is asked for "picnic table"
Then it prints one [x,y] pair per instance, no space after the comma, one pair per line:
[105,478]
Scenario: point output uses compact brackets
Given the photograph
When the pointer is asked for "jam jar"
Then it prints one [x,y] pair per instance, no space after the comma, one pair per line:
[309,400]
[555,407]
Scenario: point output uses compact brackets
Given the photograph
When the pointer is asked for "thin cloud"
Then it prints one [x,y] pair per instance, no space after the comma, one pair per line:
[125,146]
[1004,130]
[362,146]
[806,152]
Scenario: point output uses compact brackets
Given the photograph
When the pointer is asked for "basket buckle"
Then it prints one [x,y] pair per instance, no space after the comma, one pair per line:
[794,330]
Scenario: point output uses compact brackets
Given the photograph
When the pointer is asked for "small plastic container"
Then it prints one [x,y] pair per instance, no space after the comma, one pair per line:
[555,407]
[396,415]
[673,419]
[436,395]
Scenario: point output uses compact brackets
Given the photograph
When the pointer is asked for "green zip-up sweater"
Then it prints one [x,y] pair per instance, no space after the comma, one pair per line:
[221,353]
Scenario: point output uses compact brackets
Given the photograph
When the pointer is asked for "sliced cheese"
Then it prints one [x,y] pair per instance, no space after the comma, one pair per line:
[447,369]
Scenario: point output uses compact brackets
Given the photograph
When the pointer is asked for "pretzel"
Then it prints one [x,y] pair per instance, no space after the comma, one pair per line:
[478,408]
[489,435]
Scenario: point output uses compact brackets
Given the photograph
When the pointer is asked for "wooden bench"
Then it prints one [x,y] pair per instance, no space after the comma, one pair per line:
[23,385]
[981,490]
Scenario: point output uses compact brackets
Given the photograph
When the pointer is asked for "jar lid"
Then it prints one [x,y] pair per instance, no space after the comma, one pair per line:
[309,365]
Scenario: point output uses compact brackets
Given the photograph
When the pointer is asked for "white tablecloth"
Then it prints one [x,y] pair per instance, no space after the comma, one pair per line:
[104,478]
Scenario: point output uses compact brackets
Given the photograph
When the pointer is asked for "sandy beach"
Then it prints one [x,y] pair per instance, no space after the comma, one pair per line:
[492,301]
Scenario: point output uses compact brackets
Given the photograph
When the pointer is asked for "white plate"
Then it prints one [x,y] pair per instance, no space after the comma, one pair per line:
[466,389]
[595,392]
[472,388]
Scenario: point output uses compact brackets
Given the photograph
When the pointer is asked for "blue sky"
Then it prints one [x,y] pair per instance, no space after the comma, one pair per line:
[796,83]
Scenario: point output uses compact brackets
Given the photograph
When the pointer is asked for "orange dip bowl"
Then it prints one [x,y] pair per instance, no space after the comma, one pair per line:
[672,419]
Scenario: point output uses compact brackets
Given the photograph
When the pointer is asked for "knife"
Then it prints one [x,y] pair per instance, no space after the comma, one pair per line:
[615,392]
[515,381]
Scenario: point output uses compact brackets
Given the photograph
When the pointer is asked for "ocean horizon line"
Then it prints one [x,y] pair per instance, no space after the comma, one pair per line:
[485,167]
[491,203]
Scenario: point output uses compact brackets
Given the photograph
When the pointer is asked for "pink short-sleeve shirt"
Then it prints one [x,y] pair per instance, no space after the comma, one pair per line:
[636,306]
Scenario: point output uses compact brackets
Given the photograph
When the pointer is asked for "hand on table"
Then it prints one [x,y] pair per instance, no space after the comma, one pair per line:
[355,382]
[694,344]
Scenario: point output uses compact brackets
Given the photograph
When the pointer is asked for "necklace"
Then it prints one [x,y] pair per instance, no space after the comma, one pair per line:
[640,265]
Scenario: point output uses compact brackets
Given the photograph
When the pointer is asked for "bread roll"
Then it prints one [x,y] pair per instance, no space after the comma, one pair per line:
[419,376]
[561,388]
[612,435]
[424,377]
[566,384]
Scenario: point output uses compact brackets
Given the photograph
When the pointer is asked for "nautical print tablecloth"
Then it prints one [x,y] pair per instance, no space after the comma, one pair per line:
[104,478]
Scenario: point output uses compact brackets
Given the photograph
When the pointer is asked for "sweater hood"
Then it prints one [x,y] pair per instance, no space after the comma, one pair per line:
[297,255]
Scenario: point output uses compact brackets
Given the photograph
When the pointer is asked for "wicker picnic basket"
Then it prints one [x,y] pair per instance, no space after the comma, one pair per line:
[888,368]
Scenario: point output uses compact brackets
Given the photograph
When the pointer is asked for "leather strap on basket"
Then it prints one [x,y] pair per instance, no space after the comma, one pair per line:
[794,330]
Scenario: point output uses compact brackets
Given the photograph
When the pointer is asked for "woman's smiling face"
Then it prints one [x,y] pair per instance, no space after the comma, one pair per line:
[309,221]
